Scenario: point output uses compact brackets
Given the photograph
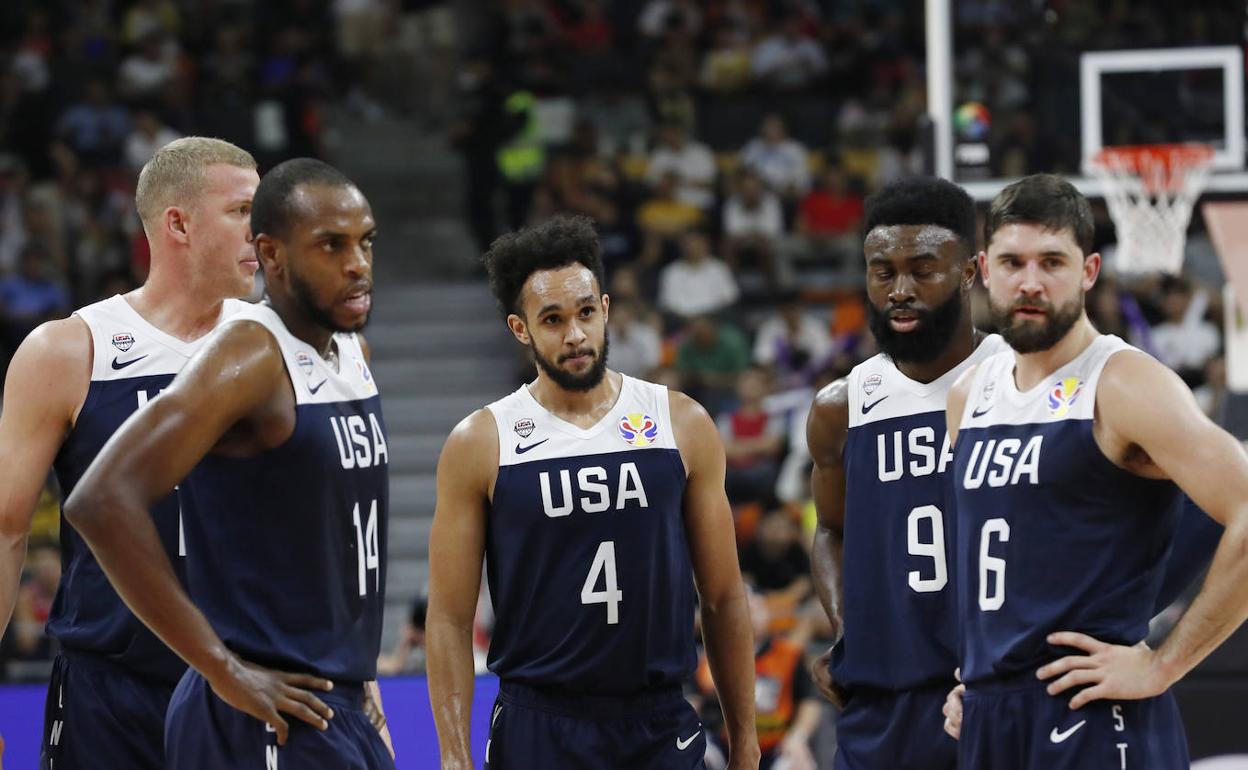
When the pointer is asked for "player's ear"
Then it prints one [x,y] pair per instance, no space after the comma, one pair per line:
[518,328]
[176,223]
[982,259]
[1091,269]
[606,307]
[269,254]
[970,269]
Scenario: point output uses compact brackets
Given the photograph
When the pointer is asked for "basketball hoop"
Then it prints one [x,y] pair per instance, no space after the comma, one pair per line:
[1150,190]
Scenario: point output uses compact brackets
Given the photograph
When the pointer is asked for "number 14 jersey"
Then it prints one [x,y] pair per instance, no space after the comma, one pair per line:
[586,555]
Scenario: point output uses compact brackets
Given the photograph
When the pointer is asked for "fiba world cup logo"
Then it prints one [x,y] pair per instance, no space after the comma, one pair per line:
[1062,396]
[639,429]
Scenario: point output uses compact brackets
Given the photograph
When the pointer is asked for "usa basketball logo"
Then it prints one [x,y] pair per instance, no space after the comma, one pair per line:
[123,341]
[1063,395]
[871,383]
[305,362]
[639,429]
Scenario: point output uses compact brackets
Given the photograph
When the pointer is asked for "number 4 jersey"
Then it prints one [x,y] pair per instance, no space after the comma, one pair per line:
[586,555]
[1052,536]
[900,626]
[286,549]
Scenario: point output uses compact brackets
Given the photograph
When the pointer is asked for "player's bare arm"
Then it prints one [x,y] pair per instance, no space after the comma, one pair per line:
[230,398]
[725,613]
[827,427]
[46,384]
[955,403]
[456,550]
[1182,444]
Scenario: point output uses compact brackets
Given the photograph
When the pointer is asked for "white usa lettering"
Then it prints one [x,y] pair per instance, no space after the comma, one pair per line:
[360,444]
[1011,463]
[912,451]
[593,482]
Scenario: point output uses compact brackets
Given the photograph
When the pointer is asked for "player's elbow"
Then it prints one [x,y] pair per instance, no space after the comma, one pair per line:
[88,505]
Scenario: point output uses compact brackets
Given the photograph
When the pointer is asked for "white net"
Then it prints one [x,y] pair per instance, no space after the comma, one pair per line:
[1150,191]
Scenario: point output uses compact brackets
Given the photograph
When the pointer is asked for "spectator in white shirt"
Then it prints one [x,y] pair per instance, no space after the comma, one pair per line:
[691,161]
[636,347]
[789,60]
[697,283]
[782,162]
[753,226]
[147,136]
[792,342]
[1185,340]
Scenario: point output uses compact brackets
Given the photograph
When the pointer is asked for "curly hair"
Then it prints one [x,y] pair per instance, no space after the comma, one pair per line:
[923,201]
[556,243]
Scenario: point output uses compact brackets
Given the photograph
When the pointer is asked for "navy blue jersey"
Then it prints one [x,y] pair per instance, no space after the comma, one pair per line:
[132,361]
[1052,536]
[899,606]
[286,550]
[586,555]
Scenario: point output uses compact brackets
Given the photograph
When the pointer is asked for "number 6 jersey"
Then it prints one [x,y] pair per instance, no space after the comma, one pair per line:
[898,602]
[1052,536]
[586,556]
[287,548]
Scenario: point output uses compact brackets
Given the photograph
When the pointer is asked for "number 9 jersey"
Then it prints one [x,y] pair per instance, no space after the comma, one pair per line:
[586,556]
[899,606]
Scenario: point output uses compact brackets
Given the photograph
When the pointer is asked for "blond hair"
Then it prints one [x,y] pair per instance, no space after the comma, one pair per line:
[175,174]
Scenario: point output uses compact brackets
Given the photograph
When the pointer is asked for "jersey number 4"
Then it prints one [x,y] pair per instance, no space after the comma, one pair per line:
[604,568]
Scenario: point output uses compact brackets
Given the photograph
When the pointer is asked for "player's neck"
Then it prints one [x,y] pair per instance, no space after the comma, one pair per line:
[960,346]
[1032,368]
[299,323]
[584,407]
[165,302]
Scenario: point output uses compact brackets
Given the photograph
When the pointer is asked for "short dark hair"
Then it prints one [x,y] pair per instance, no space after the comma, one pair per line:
[923,200]
[1047,200]
[270,206]
[558,242]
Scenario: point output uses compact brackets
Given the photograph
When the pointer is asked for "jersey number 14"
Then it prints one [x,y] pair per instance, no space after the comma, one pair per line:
[368,556]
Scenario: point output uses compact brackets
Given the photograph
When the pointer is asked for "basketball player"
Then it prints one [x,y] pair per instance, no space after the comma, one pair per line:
[71,384]
[877,437]
[596,501]
[278,423]
[1070,453]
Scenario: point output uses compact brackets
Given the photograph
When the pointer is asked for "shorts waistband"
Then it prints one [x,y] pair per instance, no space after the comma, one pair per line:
[1022,680]
[926,688]
[103,663]
[344,695]
[591,706]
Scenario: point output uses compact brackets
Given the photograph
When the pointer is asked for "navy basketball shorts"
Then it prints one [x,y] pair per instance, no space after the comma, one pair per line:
[202,732]
[895,730]
[1015,723]
[98,714]
[530,728]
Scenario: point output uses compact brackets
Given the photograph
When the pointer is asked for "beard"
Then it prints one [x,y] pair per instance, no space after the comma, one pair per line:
[1029,337]
[928,340]
[323,317]
[575,382]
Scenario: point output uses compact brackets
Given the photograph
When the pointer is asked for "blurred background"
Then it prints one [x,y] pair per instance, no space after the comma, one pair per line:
[724,148]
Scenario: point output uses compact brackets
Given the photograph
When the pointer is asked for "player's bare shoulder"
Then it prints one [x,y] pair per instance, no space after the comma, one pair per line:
[697,438]
[827,425]
[52,367]
[470,454]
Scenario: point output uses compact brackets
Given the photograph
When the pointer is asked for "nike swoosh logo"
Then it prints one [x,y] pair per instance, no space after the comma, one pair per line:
[868,407]
[1057,737]
[522,449]
[682,745]
[123,364]
[313,389]
[980,413]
